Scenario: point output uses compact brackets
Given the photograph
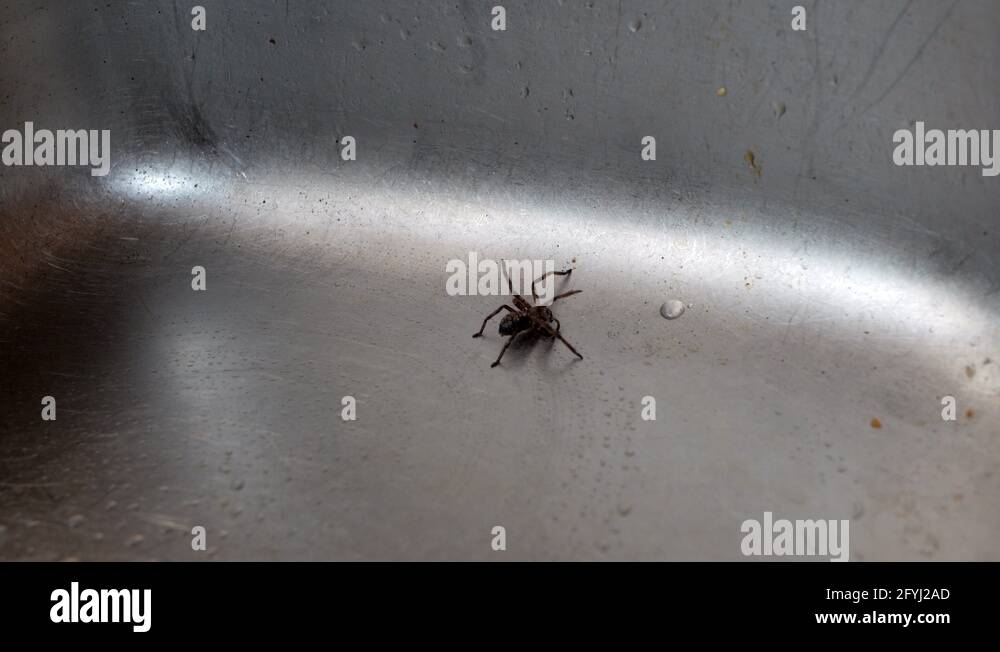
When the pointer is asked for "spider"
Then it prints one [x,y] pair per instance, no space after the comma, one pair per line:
[527,318]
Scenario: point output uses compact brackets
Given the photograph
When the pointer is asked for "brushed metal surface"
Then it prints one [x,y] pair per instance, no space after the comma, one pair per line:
[824,289]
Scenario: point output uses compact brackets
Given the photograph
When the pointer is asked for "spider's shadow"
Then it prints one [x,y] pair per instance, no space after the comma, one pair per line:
[525,344]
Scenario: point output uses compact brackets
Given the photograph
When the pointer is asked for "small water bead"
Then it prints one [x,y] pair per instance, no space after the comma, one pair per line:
[672,309]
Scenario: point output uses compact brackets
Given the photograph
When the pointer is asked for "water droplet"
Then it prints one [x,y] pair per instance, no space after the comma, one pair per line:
[635,25]
[672,309]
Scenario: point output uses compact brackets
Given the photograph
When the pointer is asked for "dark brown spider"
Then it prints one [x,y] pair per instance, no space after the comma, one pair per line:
[526,318]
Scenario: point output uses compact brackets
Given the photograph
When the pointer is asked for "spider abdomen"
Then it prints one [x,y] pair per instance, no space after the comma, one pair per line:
[512,323]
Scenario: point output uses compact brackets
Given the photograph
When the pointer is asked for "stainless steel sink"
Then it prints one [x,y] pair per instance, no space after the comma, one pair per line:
[833,298]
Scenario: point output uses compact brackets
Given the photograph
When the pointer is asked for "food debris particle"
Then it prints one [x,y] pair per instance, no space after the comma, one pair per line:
[970,371]
[721,91]
[751,160]
[876,423]
[969,413]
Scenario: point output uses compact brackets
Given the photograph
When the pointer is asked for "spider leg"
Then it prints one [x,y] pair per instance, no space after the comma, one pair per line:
[570,346]
[510,284]
[566,294]
[503,270]
[504,350]
[551,333]
[534,294]
[491,316]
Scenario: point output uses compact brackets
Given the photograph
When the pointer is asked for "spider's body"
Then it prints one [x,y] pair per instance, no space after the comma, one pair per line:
[528,318]
[513,323]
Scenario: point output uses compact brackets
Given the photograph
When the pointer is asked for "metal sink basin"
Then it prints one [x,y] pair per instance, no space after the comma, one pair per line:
[833,299]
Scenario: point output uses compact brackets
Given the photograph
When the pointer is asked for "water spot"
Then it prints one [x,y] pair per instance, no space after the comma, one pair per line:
[635,25]
[672,309]
[134,540]
[464,41]
[75,521]
[970,371]
[236,485]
